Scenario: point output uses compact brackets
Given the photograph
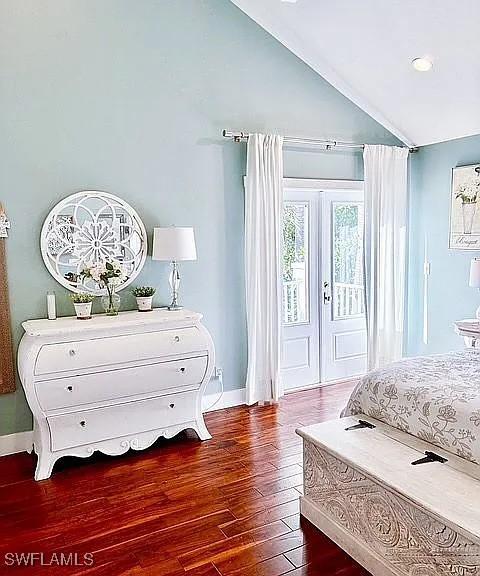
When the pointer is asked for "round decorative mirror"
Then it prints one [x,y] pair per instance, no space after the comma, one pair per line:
[88,228]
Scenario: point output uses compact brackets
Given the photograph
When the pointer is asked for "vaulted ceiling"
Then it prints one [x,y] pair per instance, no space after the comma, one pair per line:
[365,50]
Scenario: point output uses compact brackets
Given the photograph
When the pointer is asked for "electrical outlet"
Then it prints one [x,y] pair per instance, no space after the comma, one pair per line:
[218,372]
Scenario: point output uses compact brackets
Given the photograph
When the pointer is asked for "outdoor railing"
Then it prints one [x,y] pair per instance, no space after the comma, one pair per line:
[290,302]
[349,300]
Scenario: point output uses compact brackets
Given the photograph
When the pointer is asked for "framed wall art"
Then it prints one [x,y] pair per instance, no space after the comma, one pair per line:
[465,208]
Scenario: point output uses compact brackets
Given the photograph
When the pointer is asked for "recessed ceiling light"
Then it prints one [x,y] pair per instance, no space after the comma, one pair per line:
[289,1]
[422,64]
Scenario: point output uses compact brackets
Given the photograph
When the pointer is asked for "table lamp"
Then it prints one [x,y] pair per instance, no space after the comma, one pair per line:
[174,244]
[475,278]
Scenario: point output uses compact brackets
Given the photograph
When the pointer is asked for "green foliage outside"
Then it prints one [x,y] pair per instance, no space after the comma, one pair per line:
[291,252]
[347,244]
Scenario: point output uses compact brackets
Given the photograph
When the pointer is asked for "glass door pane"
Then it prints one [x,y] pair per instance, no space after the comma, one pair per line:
[347,261]
[295,263]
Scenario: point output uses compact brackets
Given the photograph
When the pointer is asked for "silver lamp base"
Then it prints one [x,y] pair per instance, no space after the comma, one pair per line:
[174,281]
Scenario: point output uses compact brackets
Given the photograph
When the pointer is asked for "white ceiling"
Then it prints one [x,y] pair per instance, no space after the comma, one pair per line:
[365,48]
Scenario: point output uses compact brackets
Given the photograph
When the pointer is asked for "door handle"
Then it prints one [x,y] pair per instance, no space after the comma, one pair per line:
[326,293]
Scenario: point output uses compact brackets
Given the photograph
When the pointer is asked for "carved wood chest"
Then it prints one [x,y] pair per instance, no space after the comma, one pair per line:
[394,518]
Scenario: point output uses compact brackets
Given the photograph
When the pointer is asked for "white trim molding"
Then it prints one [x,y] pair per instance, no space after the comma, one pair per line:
[15,443]
[229,399]
[320,185]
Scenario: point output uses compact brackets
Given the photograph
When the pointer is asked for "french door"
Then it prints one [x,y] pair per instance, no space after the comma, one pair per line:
[300,302]
[324,336]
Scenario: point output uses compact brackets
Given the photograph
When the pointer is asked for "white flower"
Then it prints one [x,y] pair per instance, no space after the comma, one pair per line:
[114,274]
[116,264]
[115,281]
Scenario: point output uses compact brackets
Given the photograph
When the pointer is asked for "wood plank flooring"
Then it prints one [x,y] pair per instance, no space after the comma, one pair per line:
[225,507]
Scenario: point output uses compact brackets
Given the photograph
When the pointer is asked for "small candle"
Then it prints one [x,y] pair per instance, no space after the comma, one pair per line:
[51,306]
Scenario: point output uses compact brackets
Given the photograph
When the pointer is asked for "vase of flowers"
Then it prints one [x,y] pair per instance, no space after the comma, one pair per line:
[82,303]
[144,297]
[468,196]
[108,275]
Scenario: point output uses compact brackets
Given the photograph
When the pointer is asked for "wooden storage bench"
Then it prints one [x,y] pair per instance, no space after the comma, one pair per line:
[394,518]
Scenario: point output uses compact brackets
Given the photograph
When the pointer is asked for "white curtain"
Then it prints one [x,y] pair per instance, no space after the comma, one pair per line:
[263,225]
[385,249]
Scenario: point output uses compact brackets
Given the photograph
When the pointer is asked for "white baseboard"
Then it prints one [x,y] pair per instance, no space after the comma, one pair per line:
[229,399]
[14,443]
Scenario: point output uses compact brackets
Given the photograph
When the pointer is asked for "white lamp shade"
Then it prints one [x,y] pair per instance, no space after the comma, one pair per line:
[475,273]
[174,244]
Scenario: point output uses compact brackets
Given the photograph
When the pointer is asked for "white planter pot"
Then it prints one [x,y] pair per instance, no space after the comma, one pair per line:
[83,310]
[144,303]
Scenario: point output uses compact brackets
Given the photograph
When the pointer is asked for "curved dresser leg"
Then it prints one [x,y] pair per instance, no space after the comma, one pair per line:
[45,465]
[202,430]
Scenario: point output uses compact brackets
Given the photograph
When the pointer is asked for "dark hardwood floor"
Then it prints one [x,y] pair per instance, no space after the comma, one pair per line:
[228,506]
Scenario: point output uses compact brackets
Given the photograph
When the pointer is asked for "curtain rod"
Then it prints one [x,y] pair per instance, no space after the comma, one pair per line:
[327,144]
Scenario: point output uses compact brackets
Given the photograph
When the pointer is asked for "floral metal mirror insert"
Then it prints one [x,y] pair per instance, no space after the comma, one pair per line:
[88,228]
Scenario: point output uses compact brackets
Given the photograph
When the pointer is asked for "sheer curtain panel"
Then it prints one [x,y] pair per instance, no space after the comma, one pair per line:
[263,225]
[385,251]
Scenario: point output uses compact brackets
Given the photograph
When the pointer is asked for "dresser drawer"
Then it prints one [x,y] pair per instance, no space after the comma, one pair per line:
[71,356]
[86,427]
[116,384]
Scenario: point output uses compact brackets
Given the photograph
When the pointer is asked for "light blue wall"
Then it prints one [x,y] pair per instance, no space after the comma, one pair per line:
[449,296]
[131,97]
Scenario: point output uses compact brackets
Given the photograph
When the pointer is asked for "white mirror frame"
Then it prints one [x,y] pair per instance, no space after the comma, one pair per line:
[91,241]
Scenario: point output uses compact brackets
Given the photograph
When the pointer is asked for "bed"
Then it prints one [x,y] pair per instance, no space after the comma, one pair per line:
[435,398]
[360,485]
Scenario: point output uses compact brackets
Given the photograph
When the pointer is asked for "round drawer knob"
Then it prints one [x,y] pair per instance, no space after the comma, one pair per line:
[177,338]
[182,369]
[172,405]
[70,388]
[72,352]
[83,423]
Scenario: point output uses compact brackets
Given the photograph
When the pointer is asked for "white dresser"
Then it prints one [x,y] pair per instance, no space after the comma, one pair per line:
[113,383]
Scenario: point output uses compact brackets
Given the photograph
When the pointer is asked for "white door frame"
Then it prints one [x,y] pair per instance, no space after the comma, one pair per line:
[319,186]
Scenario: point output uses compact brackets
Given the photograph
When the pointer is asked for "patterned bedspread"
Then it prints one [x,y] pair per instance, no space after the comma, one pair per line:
[436,398]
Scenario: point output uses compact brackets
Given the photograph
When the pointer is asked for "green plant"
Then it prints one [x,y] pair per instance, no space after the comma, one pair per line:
[82,298]
[293,251]
[143,291]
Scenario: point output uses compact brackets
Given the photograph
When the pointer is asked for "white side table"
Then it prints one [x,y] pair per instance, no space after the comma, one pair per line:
[470,330]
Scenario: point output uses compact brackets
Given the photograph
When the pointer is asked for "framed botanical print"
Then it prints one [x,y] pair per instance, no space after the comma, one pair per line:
[465,208]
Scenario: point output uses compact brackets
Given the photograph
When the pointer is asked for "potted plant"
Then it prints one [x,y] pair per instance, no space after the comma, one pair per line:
[144,296]
[83,305]
[107,275]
